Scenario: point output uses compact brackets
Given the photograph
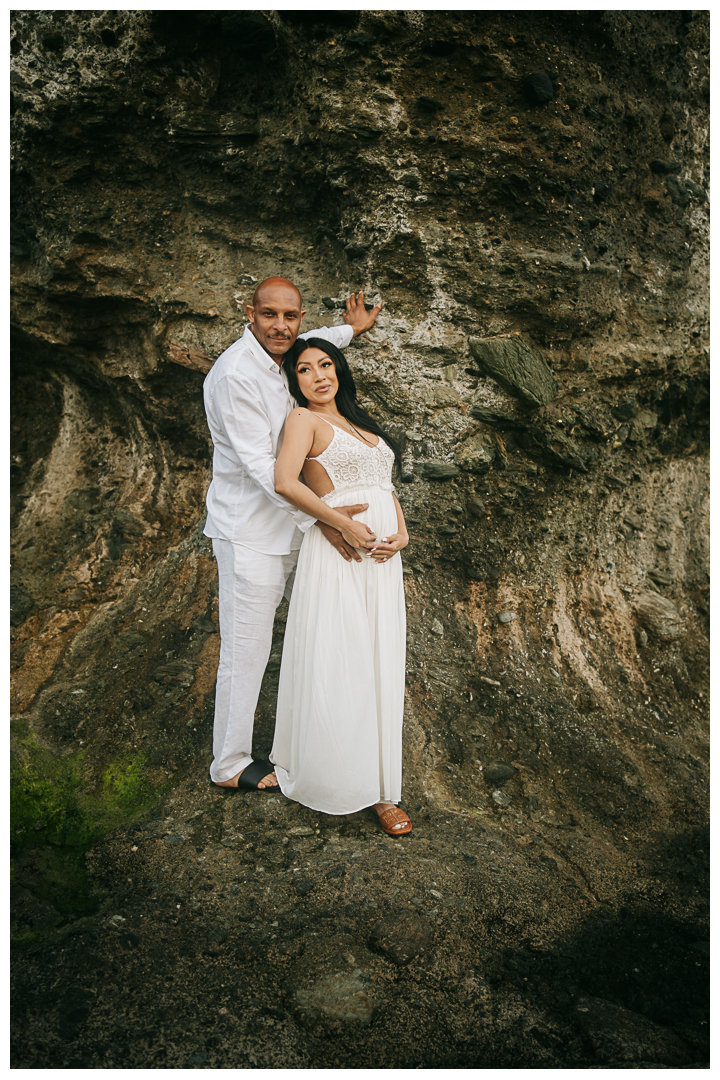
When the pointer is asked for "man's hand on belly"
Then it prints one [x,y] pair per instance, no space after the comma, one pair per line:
[334,537]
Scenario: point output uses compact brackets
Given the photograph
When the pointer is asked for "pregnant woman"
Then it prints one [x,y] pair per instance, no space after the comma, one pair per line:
[338,735]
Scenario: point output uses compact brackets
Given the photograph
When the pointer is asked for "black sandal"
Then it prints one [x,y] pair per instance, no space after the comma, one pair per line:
[250,777]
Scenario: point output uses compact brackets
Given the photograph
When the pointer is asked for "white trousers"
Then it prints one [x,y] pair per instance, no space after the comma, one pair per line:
[251,585]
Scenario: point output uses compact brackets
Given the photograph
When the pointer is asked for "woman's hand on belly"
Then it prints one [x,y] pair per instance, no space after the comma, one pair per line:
[389,546]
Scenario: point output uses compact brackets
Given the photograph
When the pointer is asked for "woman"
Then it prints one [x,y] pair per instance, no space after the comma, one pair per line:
[338,734]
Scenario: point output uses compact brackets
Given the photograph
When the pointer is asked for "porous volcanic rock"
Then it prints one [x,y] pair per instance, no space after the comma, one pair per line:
[163,163]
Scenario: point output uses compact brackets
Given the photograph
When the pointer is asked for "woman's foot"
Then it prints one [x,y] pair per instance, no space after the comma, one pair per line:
[393,820]
[267,781]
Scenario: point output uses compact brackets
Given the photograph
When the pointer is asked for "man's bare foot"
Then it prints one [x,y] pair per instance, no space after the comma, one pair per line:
[267,781]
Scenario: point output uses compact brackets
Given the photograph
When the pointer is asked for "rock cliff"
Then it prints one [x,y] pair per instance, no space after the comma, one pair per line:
[527,194]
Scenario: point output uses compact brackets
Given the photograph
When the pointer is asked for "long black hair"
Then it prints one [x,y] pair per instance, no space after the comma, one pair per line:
[346,397]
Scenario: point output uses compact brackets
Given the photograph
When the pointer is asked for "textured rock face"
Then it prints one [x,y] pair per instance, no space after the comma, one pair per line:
[532,179]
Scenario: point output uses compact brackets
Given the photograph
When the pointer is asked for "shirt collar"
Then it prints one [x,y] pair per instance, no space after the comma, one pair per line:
[251,342]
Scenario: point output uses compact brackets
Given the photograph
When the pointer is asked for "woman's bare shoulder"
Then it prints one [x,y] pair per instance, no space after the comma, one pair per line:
[300,416]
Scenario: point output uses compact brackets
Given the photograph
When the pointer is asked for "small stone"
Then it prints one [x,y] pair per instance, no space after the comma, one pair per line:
[301,830]
[411,178]
[176,838]
[429,104]
[489,682]
[342,996]
[633,520]
[501,798]
[303,885]
[446,396]
[437,628]
[384,95]
[448,530]
[498,772]
[665,168]
[404,937]
[600,192]
[477,507]
[506,617]
[626,410]
[678,192]
[538,88]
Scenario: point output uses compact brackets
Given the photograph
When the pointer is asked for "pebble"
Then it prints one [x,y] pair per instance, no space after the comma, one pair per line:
[477,507]
[489,682]
[501,798]
[303,885]
[498,772]
[538,87]
[412,178]
[506,616]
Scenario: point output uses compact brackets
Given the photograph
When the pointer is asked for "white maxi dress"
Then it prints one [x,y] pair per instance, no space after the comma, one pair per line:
[338,734]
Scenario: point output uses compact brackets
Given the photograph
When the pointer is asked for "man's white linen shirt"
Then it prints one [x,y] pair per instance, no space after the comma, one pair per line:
[247,403]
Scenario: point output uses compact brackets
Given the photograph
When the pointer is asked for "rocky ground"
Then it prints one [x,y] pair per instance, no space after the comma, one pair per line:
[527,193]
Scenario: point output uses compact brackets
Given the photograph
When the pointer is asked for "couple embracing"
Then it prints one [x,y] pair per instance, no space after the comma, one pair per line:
[281,406]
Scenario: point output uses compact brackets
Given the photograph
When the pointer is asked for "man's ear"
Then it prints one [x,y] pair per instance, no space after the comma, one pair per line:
[250,312]
[302,316]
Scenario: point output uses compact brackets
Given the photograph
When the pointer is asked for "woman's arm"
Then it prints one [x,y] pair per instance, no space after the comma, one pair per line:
[297,443]
[389,545]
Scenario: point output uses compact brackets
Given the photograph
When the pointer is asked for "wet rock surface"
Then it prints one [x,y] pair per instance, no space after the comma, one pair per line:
[549,909]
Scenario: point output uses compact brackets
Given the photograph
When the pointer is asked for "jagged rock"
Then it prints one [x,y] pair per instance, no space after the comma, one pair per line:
[558,448]
[659,616]
[435,470]
[516,367]
[642,426]
[475,456]
[495,416]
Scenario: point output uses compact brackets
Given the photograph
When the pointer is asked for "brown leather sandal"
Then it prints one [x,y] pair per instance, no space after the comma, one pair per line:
[396,817]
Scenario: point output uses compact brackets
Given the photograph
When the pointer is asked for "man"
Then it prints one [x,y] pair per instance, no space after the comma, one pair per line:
[256,534]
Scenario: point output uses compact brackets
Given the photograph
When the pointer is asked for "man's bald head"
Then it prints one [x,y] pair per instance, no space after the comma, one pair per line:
[275,315]
[272,284]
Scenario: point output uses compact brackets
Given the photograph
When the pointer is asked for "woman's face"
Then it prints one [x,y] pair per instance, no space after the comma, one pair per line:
[316,377]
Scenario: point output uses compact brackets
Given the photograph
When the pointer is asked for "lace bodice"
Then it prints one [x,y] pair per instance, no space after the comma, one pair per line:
[351,463]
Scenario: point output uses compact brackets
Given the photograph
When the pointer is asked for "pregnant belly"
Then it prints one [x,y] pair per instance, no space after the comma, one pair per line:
[380,516]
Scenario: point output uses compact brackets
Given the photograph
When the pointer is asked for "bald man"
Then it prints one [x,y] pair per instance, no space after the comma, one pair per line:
[256,534]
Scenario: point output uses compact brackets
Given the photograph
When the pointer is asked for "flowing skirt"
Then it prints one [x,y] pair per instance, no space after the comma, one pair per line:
[338,735]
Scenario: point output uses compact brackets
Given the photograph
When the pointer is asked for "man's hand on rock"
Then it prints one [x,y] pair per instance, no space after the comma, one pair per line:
[356,316]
